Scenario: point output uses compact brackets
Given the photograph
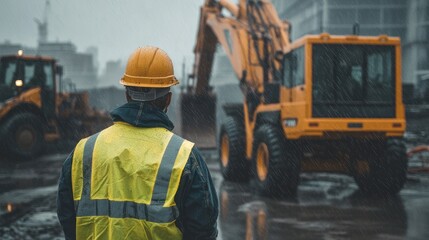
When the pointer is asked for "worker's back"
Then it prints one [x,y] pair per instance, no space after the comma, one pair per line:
[124,182]
[133,179]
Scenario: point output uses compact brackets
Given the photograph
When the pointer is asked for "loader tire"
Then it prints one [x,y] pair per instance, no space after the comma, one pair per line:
[233,163]
[276,163]
[23,137]
[387,164]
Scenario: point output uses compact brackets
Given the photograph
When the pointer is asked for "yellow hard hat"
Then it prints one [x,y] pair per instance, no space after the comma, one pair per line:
[149,67]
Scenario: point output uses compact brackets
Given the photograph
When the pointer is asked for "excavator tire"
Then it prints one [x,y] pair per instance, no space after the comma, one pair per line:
[276,163]
[233,163]
[386,167]
[22,136]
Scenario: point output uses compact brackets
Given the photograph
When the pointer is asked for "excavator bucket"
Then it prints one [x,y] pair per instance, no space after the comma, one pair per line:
[198,117]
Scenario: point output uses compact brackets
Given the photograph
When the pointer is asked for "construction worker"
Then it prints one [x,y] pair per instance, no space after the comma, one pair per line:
[136,179]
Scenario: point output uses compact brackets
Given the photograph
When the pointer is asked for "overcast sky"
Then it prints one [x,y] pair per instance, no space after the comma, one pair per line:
[115,27]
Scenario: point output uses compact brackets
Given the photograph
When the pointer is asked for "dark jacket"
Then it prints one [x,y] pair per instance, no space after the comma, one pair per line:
[196,196]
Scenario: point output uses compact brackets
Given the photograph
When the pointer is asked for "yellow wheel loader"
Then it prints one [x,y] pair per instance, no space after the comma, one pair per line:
[34,110]
[322,103]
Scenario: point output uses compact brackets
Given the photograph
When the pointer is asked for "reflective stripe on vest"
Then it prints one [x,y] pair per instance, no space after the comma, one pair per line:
[124,181]
[126,209]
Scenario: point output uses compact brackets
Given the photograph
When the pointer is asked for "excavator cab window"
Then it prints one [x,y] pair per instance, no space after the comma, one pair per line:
[7,79]
[293,68]
[353,81]
[288,65]
[31,80]
[353,73]
[36,75]
[58,78]
[49,71]
[298,76]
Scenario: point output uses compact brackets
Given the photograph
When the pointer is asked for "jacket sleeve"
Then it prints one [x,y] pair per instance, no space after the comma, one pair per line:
[197,200]
[65,204]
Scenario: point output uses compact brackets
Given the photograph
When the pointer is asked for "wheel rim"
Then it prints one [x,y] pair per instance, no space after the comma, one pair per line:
[25,137]
[225,150]
[262,157]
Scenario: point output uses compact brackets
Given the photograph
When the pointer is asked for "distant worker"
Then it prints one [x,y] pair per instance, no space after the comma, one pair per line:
[137,179]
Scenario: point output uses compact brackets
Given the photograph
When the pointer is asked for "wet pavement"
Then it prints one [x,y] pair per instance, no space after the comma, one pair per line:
[27,198]
[327,206]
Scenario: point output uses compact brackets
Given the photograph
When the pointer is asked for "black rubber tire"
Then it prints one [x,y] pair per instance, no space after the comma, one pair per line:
[18,123]
[387,162]
[284,165]
[237,167]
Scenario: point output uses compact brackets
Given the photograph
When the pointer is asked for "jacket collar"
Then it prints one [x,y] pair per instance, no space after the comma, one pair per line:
[142,114]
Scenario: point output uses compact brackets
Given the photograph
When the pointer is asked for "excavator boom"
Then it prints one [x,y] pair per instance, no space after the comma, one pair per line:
[253,38]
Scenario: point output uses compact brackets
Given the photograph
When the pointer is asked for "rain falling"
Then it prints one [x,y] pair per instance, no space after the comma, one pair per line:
[263,119]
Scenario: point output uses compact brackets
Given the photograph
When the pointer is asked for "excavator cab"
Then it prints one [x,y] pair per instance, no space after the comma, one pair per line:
[19,74]
[331,79]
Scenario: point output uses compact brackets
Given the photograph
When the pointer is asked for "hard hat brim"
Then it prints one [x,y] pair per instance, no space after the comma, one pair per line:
[150,82]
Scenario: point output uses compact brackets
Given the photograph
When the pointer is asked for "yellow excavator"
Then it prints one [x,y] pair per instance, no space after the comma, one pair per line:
[34,110]
[322,103]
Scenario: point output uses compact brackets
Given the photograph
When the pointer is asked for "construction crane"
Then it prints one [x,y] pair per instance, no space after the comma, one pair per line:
[322,103]
[43,25]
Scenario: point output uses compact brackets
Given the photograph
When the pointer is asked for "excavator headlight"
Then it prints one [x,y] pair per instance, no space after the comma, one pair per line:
[19,83]
[290,122]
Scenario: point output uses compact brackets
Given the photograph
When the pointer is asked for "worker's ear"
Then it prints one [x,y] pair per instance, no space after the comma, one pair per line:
[167,101]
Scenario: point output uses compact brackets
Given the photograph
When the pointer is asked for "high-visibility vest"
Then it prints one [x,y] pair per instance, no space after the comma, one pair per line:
[124,180]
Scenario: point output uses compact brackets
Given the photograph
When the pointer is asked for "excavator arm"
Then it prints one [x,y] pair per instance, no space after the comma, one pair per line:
[254,40]
[204,51]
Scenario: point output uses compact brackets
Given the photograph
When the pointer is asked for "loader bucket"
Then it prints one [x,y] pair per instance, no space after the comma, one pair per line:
[198,118]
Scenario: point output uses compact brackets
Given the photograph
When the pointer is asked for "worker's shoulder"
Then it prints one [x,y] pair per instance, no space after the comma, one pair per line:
[93,138]
[195,157]
[185,143]
[184,139]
